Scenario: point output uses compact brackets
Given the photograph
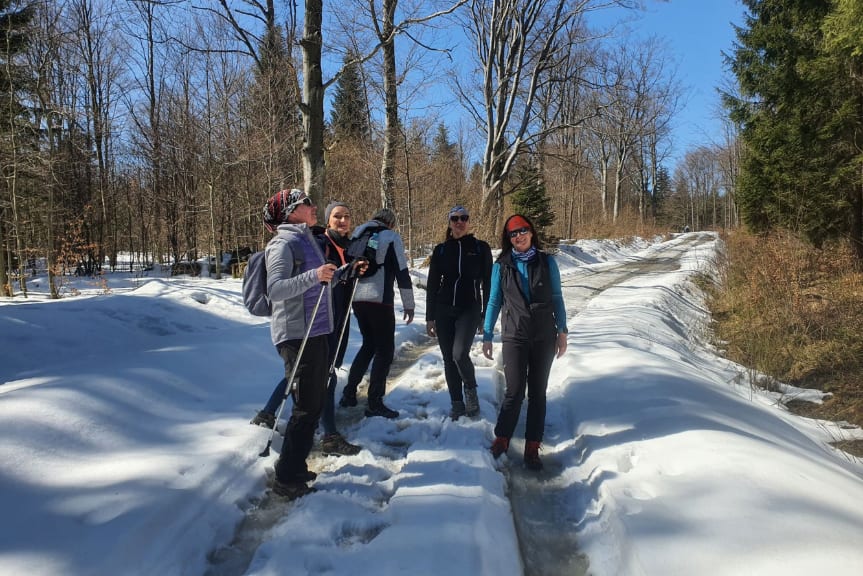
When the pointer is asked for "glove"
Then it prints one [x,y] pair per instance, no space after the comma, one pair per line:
[409,315]
[431,329]
[360,265]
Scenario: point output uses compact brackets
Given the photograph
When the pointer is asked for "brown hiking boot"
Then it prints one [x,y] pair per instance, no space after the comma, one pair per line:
[499,446]
[531,455]
[336,445]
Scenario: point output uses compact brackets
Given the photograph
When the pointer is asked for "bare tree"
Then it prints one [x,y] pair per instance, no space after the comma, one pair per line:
[729,167]
[518,44]
[98,47]
[376,30]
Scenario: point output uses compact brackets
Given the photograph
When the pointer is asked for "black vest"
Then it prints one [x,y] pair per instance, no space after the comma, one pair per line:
[519,320]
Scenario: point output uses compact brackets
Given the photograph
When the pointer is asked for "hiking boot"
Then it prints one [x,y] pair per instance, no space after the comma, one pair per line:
[265,419]
[531,455]
[471,402]
[336,445]
[306,476]
[499,446]
[292,490]
[381,410]
[348,400]
[457,410]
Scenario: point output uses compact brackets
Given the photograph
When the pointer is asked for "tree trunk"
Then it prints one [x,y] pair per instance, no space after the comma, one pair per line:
[5,284]
[312,105]
[391,104]
[856,228]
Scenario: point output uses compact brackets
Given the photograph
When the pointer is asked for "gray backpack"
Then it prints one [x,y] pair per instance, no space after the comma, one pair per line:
[255,286]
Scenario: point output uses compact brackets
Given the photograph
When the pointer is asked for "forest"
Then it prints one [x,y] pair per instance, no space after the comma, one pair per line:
[158,128]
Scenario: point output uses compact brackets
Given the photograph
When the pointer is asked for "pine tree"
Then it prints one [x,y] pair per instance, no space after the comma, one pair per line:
[799,114]
[15,79]
[350,106]
[442,148]
[661,190]
[531,199]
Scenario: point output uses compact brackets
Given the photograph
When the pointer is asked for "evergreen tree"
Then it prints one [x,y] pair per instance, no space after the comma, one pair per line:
[442,148]
[531,199]
[799,114]
[350,105]
[17,136]
[276,124]
[15,78]
[661,189]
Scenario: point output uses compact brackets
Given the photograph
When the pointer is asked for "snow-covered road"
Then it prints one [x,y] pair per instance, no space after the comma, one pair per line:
[127,449]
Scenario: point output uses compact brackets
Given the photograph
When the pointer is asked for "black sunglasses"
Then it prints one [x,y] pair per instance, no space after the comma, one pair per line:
[456,218]
[519,232]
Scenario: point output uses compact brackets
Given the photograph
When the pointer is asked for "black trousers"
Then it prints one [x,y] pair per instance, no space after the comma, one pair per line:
[526,366]
[456,328]
[309,397]
[377,324]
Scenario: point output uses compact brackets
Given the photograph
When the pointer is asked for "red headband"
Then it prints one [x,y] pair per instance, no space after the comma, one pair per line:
[515,223]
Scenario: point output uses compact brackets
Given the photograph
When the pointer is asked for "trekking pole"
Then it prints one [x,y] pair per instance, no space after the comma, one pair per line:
[266,451]
[344,326]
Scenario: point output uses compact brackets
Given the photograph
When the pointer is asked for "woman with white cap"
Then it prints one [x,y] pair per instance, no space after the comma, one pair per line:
[457,292]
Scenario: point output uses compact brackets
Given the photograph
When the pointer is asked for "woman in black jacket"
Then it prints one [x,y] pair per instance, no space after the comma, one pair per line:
[456,296]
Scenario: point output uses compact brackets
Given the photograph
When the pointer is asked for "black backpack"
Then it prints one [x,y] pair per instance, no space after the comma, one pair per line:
[366,246]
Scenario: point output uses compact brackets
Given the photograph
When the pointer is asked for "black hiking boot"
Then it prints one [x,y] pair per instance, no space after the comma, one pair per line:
[292,490]
[264,419]
[457,410]
[306,476]
[471,402]
[381,410]
[348,400]
[336,445]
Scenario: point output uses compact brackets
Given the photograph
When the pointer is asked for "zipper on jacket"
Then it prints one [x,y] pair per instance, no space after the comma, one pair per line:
[458,278]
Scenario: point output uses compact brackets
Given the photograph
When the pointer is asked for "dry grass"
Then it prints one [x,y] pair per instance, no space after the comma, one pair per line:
[795,314]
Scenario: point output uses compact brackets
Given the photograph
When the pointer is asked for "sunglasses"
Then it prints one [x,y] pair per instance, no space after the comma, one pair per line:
[293,206]
[519,232]
[456,218]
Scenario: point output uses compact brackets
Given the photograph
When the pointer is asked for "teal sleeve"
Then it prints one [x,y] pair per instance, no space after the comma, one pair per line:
[557,296]
[494,302]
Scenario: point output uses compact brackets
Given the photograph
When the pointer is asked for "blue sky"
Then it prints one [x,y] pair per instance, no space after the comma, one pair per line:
[696,32]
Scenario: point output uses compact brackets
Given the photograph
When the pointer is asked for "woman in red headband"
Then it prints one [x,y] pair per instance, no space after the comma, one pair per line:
[525,284]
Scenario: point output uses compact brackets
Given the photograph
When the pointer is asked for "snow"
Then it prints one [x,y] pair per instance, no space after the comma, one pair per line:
[127,447]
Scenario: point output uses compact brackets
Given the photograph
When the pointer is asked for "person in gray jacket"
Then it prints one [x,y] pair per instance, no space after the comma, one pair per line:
[374,310]
[298,285]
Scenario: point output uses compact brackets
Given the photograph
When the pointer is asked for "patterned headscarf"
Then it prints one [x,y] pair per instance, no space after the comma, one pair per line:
[280,205]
